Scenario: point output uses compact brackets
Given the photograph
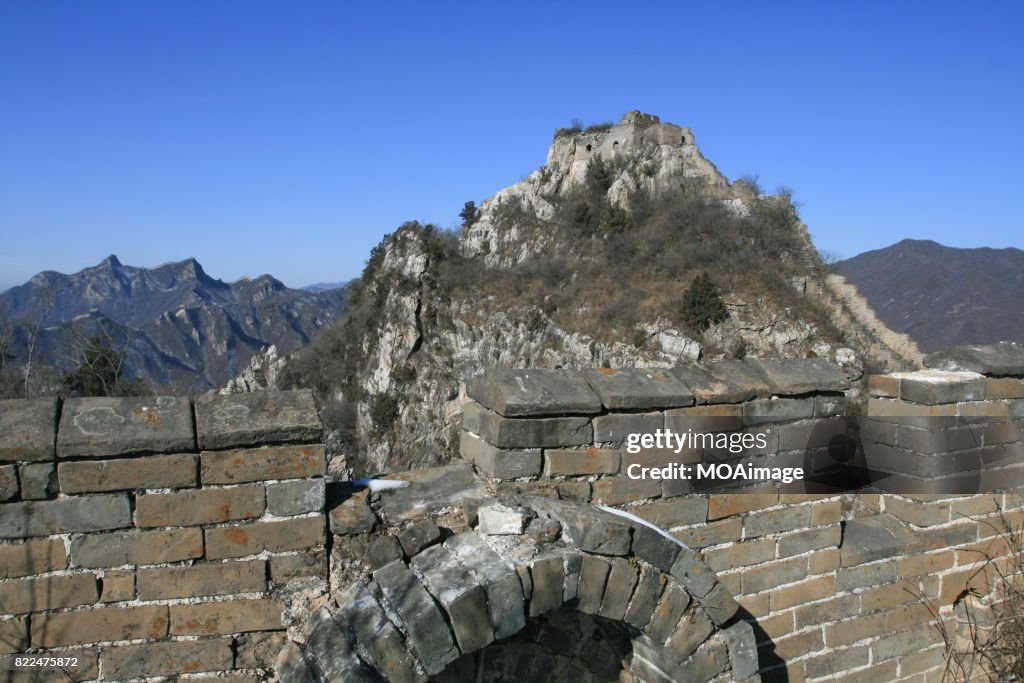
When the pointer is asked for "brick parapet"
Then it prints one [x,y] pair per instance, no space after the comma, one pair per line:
[117,528]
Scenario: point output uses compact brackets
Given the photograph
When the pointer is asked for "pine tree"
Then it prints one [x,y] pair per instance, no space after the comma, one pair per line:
[702,304]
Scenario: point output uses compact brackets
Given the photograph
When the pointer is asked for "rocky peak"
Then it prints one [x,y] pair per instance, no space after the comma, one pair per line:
[643,156]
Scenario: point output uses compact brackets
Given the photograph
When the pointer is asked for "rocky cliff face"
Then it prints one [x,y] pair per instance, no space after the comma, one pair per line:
[584,263]
[180,327]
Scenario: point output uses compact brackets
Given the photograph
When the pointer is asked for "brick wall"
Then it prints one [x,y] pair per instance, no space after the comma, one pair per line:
[150,536]
[842,583]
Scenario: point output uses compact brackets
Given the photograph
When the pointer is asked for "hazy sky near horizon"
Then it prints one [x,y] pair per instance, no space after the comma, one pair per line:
[289,138]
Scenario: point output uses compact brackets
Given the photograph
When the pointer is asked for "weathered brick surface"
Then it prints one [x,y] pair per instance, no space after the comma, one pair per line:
[258,649]
[616,427]
[504,432]
[562,462]
[48,592]
[28,429]
[99,625]
[767,576]
[202,579]
[136,547]
[519,393]
[229,616]
[148,472]
[118,585]
[777,521]
[777,410]
[31,557]
[66,515]
[637,388]
[252,539]
[462,598]
[13,635]
[353,515]
[418,536]
[8,482]
[167,658]
[593,576]
[201,506]
[260,464]
[104,426]
[673,603]
[740,554]
[257,417]
[296,497]
[713,533]
[728,504]
[645,598]
[38,480]
[427,630]
[618,589]
[621,489]
[675,512]
[286,568]
[501,463]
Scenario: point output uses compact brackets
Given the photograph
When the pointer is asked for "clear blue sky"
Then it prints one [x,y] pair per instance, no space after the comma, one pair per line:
[289,137]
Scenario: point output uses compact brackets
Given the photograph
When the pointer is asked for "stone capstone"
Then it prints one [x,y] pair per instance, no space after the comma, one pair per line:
[638,389]
[255,418]
[105,426]
[526,393]
[1002,359]
[498,519]
[28,429]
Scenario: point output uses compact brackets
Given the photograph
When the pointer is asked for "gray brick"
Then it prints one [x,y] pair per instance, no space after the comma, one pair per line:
[712,383]
[618,589]
[548,577]
[655,548]
[693,574]
[136,547]
[638,388]
[149,472]
[742,650]
[797,376]
[291,665]
[296,497]
[584,461]
[385,645]
[777,410]
[8,482]
[645,597]
[45,518]
[691,633]
[934,393]
[104,426]
[614,428]
[676,512]
[522,392]
[501,463]
[504,432]
[777,521]
[673,603]
[167,658]
[28,429]
[383,550]
[261,417]
[38,480]
[328,646]
[418,536]
[593,576]
[501,583]
[459,594]
[427,629]
[588,529]
[719,604]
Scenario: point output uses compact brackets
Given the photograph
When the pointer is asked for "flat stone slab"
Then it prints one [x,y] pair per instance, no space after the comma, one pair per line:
[638,388]
[711,384]
[28,428]
[115,426]
[1002,359]
[431,489]
[259,417]
[795,376]
[934,387]
[522,393]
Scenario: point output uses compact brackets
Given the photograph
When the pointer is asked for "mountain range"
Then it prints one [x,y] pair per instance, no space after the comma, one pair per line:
[943,296]
[180,328]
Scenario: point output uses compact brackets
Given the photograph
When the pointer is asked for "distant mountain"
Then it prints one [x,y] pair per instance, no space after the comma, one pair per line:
[942,296]
[182,328]
[327,286]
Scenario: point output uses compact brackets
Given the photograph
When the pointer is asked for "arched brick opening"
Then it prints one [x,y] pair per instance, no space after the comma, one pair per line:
[595,598]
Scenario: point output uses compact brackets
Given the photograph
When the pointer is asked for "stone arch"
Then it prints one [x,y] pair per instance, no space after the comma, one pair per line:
[484,600]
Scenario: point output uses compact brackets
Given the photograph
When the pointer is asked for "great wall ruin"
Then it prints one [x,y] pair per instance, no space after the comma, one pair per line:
[160,537]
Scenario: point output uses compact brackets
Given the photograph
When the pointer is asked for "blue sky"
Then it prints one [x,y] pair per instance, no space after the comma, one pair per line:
[290,137]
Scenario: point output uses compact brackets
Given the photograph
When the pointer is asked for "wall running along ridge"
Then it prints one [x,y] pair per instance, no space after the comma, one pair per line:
[122,529]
